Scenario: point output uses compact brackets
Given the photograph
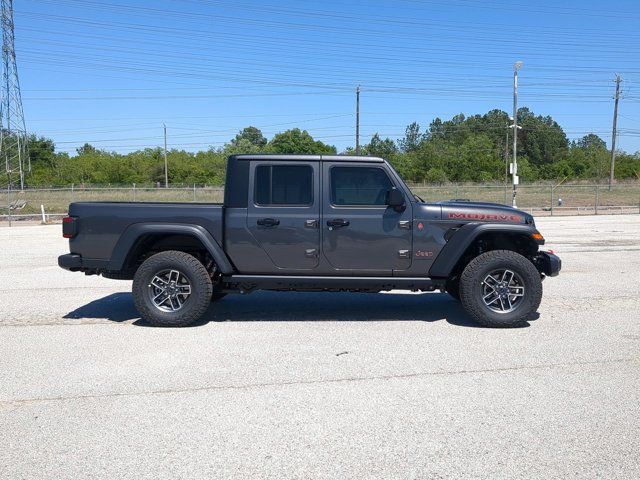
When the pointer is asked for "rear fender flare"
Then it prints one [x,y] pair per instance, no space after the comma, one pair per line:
[448,257]
[131,235]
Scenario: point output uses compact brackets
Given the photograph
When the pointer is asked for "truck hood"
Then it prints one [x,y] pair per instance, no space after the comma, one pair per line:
[464,211]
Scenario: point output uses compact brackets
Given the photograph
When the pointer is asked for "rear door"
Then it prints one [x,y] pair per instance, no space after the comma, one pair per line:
[361,234]
[283,212]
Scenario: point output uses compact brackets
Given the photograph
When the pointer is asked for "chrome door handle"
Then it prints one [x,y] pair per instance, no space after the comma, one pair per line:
[311,223]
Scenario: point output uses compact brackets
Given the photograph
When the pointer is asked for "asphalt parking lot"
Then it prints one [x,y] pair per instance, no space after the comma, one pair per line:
[322,385]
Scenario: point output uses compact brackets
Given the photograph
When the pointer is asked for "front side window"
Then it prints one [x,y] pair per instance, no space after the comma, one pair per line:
[284,185]
[359,186]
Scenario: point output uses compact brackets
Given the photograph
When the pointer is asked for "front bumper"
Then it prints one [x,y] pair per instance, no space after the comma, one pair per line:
[70,261]
[548,263]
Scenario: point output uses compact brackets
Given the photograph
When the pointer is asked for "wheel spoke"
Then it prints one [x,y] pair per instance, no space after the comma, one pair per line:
[491,282]
[516,291]
[175,304]
[502,304]
[490,288]
[495,299]
[491,295]
[161,294]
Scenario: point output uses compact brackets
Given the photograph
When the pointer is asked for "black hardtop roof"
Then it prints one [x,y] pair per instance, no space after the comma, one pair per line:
[308,158]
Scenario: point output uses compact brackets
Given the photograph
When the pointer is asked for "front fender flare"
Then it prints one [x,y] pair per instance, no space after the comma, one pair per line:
[448,257]
[131,235]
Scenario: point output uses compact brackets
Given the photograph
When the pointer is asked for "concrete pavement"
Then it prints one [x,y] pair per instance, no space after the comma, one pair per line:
[292,385]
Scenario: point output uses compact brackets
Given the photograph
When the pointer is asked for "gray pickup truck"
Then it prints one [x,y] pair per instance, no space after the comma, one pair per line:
[312,223]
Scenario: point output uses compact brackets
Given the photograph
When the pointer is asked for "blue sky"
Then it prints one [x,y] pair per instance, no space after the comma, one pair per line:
[111,72]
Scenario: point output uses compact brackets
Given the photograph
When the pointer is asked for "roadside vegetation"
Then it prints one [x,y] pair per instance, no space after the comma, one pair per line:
[459,150]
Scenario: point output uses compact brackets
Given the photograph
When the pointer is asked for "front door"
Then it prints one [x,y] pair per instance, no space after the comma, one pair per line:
[283,213]
[361,234]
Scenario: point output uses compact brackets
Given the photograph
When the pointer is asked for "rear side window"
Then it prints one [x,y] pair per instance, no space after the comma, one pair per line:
[359,186]
[284,185]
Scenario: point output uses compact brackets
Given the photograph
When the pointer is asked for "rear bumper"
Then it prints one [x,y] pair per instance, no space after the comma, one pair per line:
[548,263]
[70,261]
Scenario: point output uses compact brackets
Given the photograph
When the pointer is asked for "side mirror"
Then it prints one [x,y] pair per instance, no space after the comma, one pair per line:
[395,199]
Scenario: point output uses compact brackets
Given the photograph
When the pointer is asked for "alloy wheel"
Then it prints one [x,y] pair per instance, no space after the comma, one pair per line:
[502,290]
[169,290]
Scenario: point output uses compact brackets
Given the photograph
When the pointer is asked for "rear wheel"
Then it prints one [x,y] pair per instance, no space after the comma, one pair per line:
[171,289]
[500,288]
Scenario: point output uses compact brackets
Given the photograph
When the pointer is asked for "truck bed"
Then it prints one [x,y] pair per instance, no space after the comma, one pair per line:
[103,223]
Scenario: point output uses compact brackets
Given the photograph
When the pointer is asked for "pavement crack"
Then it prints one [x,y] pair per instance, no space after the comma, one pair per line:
[318,382]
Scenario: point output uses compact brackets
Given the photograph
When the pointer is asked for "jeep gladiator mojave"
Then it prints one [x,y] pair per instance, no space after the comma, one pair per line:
[311,223]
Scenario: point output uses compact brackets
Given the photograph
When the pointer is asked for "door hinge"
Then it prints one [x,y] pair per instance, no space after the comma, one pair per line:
[406,224]
[404,253]
[311,253]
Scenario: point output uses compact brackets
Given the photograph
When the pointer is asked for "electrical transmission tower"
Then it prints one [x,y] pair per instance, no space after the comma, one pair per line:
[13,132]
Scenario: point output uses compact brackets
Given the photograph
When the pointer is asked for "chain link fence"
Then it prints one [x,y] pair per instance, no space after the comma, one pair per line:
[539,199]
[544,199]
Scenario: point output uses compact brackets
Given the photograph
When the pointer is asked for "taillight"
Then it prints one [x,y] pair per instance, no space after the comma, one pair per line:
[69,227]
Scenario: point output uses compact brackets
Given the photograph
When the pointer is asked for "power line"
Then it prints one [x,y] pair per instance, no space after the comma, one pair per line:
[289,28]
[313,14]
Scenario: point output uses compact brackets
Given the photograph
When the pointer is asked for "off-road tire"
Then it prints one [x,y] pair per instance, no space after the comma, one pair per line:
[193,308]
[471,289]
[453,287]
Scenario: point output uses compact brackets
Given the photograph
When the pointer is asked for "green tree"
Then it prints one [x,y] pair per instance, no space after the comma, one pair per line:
[250,136]
[86,149]
[591,141]
[44,161]
[380,148]
[296,141]
[628,166]
[541,139]
[412,138]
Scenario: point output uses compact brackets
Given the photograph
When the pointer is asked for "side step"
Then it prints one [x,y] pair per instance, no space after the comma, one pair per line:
[314,283]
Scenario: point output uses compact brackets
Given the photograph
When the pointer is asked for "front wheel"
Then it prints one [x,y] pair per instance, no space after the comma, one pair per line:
[500,288]
[171,289]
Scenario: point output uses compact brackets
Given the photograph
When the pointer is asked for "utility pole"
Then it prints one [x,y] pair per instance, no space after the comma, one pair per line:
[358,120]
[506,155]
[506,162]
[166,169]
[514,165]
[614,132]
